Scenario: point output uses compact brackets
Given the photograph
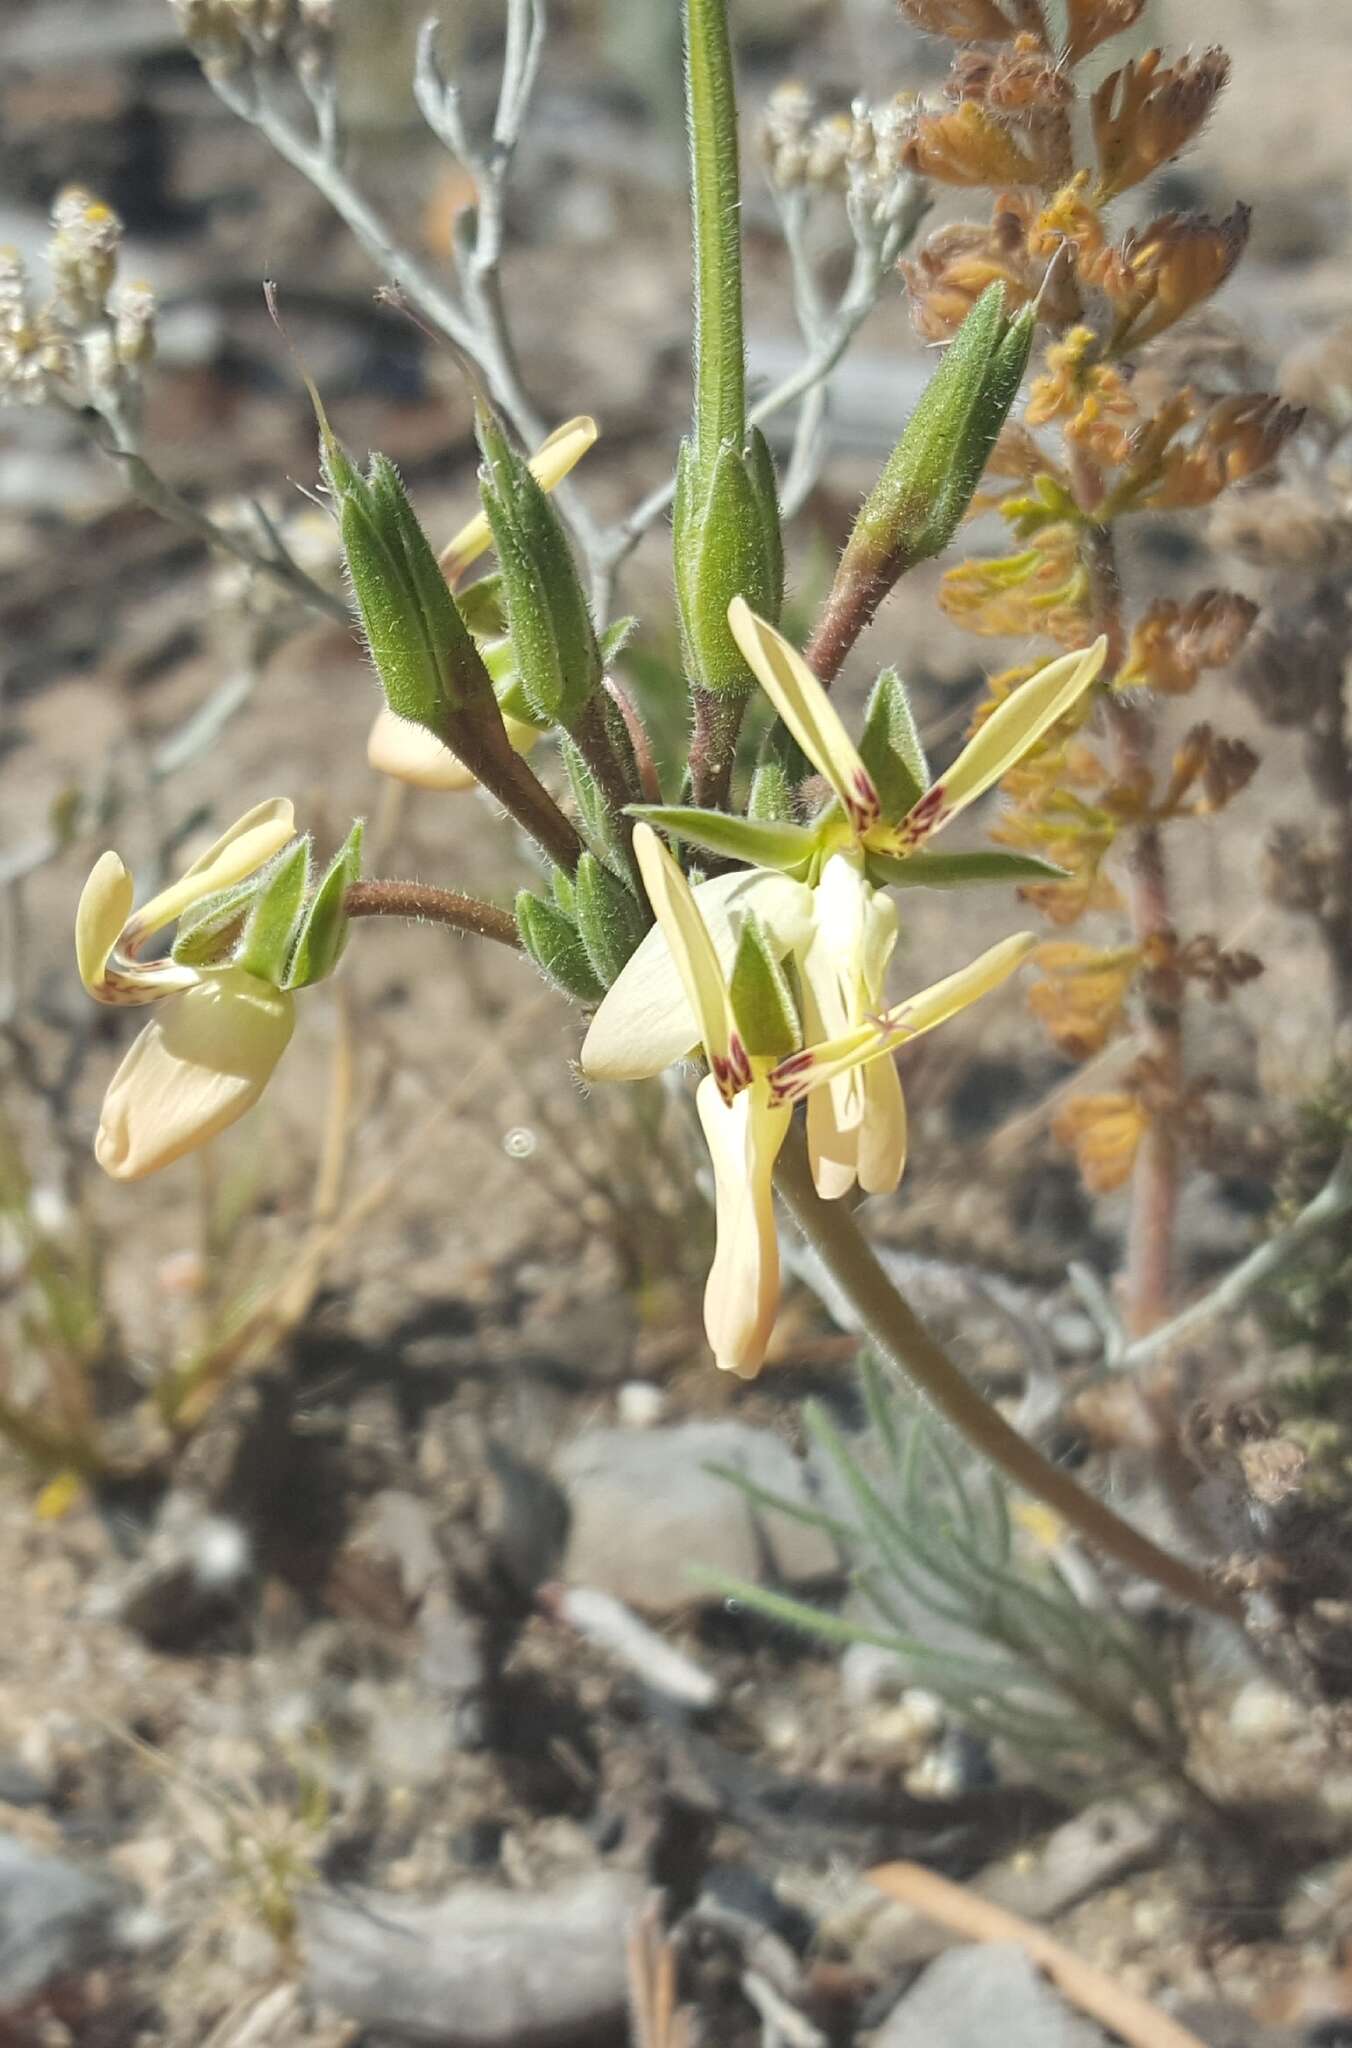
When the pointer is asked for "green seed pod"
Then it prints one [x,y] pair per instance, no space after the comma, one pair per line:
[726,543]
[932,474]
[557,658]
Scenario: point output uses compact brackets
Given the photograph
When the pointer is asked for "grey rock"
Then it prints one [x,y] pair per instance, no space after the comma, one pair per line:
[55,1919]
[479,1968]
[645,1509]
[973,1997]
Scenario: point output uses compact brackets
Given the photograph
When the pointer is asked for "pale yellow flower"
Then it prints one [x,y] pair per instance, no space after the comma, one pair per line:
[206,1058]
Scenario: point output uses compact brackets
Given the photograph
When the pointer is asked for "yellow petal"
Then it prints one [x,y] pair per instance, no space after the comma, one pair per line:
[817,1065]
[1004,739]
[807,711]
[697,961]
[410,753]
[247,846]
[549,465]
[197,1066]
[882,1130]
[645,1023]
[103,909]
[741,1299]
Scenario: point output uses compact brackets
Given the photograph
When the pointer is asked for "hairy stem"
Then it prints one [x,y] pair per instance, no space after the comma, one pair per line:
[428,905]
[713,746]
[720,365]
[899,1335]
[850,605]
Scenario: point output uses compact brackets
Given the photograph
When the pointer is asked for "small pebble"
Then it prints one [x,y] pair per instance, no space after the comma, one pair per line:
[640,1404]
[1261,1712]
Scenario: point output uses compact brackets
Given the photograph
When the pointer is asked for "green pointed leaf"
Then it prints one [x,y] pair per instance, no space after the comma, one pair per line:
[555,945]
[760,843]
[323,935]
[592,809]
[607,916]
[723,548]
[890,747]
[762,1001]
[274,921]
[959,870]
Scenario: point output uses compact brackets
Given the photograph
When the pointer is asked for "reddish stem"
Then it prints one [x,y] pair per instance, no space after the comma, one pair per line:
[429,905]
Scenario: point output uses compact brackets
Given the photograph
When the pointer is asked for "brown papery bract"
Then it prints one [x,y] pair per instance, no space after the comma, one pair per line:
[1144,115]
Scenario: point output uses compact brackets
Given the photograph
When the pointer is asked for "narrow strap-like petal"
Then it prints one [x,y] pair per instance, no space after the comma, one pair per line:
[808,712]
[817,1065]
[696,960]
[1004,739]
[741,1299]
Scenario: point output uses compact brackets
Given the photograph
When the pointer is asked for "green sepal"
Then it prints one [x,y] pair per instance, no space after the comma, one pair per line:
[890,748]
[594,813]
[760,843]
[565,895]
[616,638]
[958,870]
[274,921]
[209,930]
[770,801]
[425,657]
[557,657]
[726,543]
[608,918]
[324,932]
[555,945]
[931,476]
[762,1001]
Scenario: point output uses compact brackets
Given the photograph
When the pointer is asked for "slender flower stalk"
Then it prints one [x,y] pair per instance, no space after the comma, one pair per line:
[899,1335]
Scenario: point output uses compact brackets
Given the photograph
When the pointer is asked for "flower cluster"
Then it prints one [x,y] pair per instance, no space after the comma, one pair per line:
[90,342]
[251,931]
[777,968]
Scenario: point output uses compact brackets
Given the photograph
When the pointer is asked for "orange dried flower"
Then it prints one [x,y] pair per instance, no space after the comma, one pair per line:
[1083,994]
[1020,80]
[1043,589]
[1168,268]
[1104,1132]
[1222,767]
[1091,22]
[969,146]
[1143,115]
[962,21]
[1090,397]
[1239,436]
[1174,643]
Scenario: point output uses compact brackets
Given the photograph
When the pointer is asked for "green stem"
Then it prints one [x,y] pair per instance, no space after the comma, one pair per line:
[720,363]
[899,1335]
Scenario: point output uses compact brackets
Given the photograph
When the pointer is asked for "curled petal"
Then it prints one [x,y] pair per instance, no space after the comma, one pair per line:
[196,1067]
[741,1299]
[808,712]
[104,907]
[856,1131]
[645,1022]
[1004,739]
[549,465]
[247,846]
